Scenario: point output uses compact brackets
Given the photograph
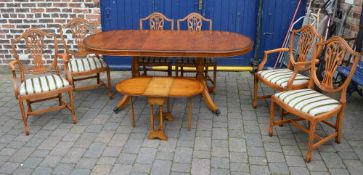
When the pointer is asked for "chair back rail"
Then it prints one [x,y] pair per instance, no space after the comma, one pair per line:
[194,22]
[79,28]
[157,21]
[308,38]
[35,47]
[335,50]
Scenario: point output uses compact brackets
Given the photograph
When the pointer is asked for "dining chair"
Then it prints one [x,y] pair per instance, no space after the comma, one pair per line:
[79,63]
[38,82]
[156,22]
[195,22]
[295,76]
[315,106]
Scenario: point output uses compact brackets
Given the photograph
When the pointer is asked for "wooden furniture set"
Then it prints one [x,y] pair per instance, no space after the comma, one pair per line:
[158,90]
[298,95]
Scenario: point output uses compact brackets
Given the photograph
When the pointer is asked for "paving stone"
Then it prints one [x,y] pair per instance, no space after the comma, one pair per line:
[237,145]
[62,148]
[257,160]
[181,167]
[146,155]
[106,160]
[354,166]
[141,168]
[259,170]
[32,162]
[278,168]
[332,160]
[95,150]
[126,158]
[51,161]
[220,133]
[21,154]
[161,167]
[256,151]
[132,146]
[101,170]
[42,171]
[240,167]
[80,172]
[295,161]
[119,169]
[275,157]
[22,171]
[200,167]
[112,151]
[299,171]
[8,167]
[339,171]
[183,155]
[73,155]
[218,162]
[316,165]
[86,163]
[63,169]
[238,157]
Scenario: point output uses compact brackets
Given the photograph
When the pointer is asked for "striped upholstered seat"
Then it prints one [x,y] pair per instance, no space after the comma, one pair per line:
[42,84]
[308,101]
[281,77]
[86,64]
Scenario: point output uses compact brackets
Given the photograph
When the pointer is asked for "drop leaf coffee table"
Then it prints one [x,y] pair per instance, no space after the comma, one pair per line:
[158,90]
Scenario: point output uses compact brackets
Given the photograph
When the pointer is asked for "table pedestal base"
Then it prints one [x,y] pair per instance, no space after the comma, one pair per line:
[159,133]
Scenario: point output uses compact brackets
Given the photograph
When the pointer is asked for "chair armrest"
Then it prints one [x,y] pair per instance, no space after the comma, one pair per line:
[64,57]
[265,56]
[12,66]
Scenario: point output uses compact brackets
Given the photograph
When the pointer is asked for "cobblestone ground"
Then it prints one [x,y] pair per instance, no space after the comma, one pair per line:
[236,142]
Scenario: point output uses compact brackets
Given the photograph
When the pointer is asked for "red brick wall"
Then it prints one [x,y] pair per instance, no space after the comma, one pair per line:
[18,15]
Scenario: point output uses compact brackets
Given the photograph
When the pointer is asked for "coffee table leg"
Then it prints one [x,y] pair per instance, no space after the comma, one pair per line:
[168,115]
[206,96]
[121,104]
[159,133]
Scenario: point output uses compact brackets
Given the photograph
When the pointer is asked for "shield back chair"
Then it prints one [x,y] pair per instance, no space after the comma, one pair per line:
[313,106]
[77,60]
[194,22]
[156,22]
[38,82]
[294,76]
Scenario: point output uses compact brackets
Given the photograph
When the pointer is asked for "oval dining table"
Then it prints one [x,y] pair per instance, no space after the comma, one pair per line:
[169,43]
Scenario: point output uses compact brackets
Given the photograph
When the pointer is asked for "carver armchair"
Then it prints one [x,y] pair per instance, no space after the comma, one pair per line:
[295,76]
[195,23]
[78,62]
[315,106]
[38,82]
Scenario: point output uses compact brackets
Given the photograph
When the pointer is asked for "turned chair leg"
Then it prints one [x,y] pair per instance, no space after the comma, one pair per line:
[169,71]
[311,140]
[255,89]
[98,78]
[109,86]
[338,126]
[24,116]
[272,116]
[282,113]
[28,104]
[60,99]
[182,71]
[176,71]
[214,78]
[132,113]
[71,106]
[190,113]
[144,69]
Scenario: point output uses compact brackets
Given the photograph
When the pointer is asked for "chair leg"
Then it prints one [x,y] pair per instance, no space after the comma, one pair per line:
[255,89]
[29,106]
[71,106]
[190,113]
[144,69]
[132,113]
[272,116]
[169,71]
[24,116]
[182,71]
[60,99]
[338,127]
[282,112]
[214,78]
[311,140]
[176,71]
[109,86]
[98,78]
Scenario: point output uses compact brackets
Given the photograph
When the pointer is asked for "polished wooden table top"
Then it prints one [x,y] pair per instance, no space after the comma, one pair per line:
[168,43]
[160,87]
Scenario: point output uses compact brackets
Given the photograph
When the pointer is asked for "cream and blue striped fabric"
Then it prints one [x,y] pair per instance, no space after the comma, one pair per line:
[85,64]
[281,77]
[308,101]
[42,84]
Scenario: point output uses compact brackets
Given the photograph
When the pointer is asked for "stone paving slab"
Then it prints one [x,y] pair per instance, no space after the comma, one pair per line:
[235,142]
